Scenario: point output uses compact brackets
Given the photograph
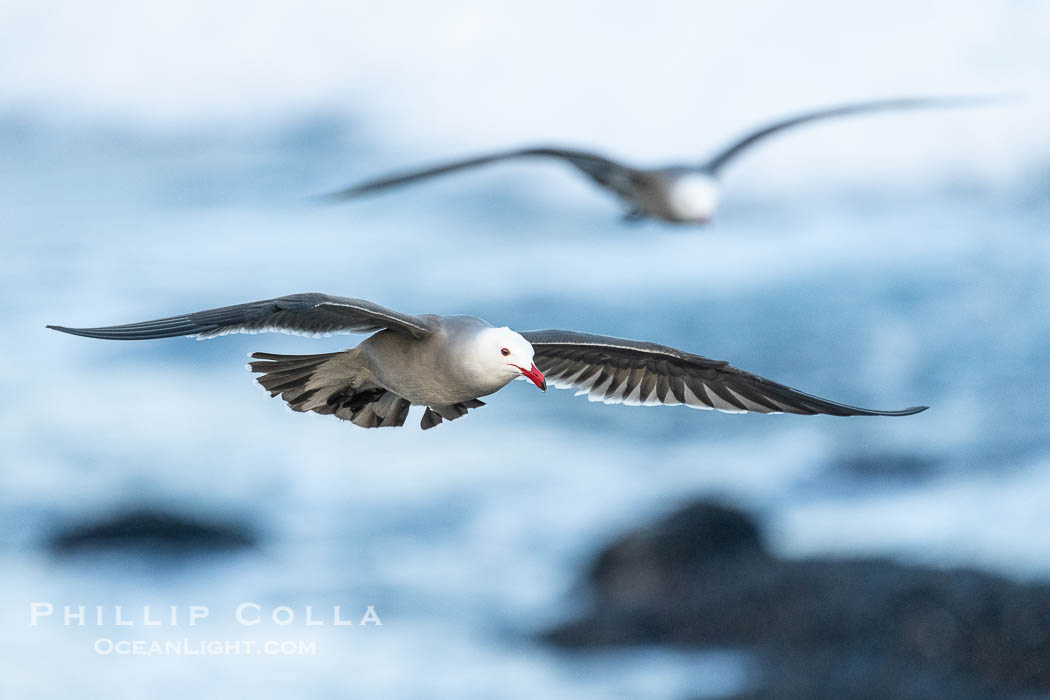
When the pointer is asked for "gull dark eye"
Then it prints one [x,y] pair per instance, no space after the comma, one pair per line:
[504,352]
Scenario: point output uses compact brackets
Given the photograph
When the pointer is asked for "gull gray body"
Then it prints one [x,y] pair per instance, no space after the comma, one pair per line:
[374,384]
[681,194]
[410,367]
[446,363]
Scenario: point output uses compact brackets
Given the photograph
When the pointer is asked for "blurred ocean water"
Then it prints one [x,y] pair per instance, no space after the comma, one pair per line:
[885,262]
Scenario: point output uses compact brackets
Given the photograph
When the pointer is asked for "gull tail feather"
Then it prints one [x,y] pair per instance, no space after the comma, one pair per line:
[330,384]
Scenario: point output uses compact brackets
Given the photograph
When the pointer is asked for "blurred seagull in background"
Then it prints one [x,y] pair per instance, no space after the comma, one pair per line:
[447,362]
[680,194]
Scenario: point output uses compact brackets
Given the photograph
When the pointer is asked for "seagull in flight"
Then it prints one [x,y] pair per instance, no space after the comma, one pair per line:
[680,194]
[446,363]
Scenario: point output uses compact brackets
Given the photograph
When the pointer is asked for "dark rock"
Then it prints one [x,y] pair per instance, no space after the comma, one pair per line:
[898,625]
[697,532]
[155,532]
[846,676]
[637,565]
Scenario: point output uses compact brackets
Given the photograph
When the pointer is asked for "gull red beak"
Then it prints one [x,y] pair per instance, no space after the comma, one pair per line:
[535,376]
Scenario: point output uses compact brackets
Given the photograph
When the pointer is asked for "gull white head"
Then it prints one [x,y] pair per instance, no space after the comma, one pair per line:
[693,197]
[502,355]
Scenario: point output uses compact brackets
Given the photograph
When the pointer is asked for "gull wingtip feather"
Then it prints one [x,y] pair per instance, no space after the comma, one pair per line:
[332,197]
[65,329]
[910,411]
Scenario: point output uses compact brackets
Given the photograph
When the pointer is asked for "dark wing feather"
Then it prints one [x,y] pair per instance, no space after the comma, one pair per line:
[304,314]
[635,373]
[718,161]
[600,169]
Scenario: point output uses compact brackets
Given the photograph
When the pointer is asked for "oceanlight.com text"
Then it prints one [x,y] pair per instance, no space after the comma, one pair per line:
[104,646]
